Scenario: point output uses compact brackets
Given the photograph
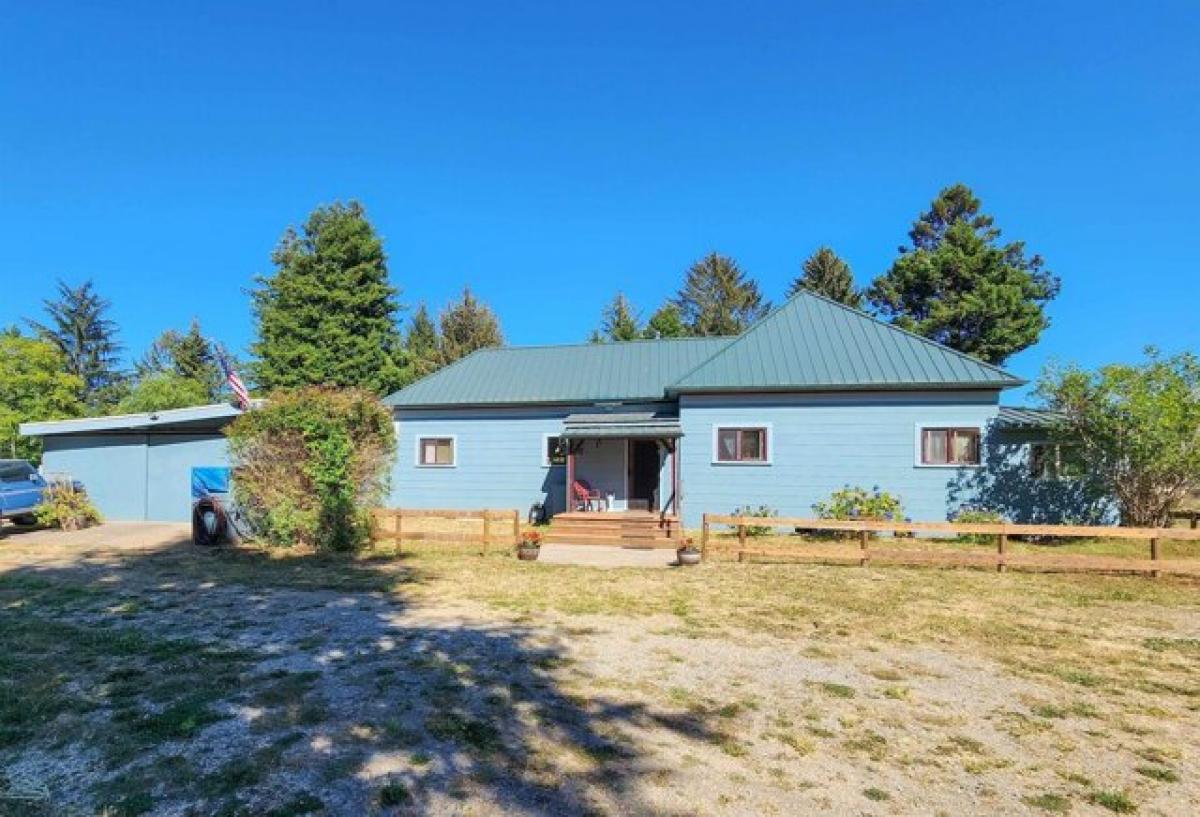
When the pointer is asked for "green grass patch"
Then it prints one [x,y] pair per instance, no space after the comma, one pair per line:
[1049,801]
[1117,802]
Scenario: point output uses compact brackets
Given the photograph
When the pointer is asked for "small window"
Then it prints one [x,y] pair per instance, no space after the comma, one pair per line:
[435,451]
[950,446]
[1055,461]
[741,445]
[555,451]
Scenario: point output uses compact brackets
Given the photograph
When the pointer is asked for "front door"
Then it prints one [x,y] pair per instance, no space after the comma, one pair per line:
[643,474]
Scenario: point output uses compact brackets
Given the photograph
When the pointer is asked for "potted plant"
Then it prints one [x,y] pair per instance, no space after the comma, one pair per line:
[530,547]
[688,553]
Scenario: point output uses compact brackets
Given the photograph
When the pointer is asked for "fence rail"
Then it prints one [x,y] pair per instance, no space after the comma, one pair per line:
[497,527]
[865,553]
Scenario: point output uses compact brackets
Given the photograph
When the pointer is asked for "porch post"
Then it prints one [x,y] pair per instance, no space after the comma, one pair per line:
[570,474]
[675,479]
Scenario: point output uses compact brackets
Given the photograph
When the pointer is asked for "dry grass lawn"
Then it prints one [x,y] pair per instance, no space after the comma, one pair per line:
[167,680]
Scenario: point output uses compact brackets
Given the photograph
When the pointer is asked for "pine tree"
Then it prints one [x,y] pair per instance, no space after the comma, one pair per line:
[468,325]
[665,323]
[958,285]
[188,355]
[718,299]
[421,347]
[827,274]
[327,315]
[79,328]
[618,322]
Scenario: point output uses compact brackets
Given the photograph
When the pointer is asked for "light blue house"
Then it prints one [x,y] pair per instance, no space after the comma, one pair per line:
[815,397]
[631,439]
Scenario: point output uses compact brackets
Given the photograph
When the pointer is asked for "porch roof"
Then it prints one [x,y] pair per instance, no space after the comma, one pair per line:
[643,425]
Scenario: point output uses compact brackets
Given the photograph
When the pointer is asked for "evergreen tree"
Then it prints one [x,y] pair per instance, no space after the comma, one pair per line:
[327,315]
[960,286]
[468,325]
[79,328]
[718,299]
[188,355]
[827,274]
[421,347]
[618,321]
[665,323]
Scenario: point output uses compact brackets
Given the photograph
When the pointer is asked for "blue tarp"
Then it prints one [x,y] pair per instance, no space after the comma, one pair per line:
[209,480]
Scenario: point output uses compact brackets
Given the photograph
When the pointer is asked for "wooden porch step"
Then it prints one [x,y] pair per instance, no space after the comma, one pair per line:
[612,541]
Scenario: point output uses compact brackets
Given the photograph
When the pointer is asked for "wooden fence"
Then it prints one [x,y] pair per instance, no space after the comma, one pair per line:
[1191,517]
[867,551]
[399,525]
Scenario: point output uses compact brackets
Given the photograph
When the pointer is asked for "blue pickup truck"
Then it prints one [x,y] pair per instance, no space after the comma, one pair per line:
[21,491]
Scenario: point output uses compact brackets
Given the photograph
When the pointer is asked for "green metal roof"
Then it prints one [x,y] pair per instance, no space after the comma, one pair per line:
[810,343]
[1021,417]
[580,373]
[813,343]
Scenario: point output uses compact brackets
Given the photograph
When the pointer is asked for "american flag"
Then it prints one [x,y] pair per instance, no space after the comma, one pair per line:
[235,382]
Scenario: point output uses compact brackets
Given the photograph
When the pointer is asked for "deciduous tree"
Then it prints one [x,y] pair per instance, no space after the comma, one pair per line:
[34,385]
[717,298]
[825,273]
[1137,428]
[158,391]
[327,315]
[960,286]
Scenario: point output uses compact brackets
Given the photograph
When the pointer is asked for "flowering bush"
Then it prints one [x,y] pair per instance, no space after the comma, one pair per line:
[64,507]
[531,539]
[761,511]
[859,503]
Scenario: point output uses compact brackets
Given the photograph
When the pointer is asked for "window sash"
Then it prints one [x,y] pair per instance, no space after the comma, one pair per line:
[436,451]
[950,446]
[742,444]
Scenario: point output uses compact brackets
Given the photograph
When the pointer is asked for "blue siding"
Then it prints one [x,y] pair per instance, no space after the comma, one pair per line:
[498,455]
[134,477]
[822,442]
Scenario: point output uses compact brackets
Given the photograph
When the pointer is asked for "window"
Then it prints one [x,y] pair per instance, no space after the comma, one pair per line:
[1055,461]
[554,451]
[16,471]
[950,446]
[741,445]
[435,451]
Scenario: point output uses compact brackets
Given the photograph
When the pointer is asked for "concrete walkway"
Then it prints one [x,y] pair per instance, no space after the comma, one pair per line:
[605,556]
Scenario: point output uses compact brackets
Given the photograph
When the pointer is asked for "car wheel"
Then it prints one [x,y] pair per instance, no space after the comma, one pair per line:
[25,521]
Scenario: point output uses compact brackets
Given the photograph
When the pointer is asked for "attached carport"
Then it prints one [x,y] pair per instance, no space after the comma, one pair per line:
[137,467]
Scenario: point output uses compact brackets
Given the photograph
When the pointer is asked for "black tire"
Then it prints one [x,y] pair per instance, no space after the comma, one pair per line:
[210,526]
[26,520]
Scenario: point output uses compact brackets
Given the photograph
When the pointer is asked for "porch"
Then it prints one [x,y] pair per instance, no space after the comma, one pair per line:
[631,529]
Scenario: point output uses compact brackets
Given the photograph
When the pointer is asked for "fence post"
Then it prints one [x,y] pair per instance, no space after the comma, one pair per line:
[487,525]
[516,539]
[1154,556]
[399,529]
[864,558]
[1001,547]
[704,537]
[741,543]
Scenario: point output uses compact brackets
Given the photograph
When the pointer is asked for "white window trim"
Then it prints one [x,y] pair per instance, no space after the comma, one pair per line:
[546,437]
[975,424]
[453,438]
[768,427]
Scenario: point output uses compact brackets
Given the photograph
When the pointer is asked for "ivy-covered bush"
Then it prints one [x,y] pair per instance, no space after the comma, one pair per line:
[310,464]
[64,507]
[859,503]
[761,511]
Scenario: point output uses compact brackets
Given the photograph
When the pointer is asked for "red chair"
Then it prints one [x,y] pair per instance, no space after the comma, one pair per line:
[585,495]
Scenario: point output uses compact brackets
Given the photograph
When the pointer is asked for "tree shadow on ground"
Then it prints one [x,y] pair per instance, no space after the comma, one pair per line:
[178,680]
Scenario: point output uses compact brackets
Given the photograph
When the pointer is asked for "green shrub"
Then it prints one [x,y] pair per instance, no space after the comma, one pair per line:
[761,511]
[310,464]
[64,507]
[859,503]
[977,516]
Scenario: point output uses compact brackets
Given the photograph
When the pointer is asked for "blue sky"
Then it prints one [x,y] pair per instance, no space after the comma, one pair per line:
[550,154]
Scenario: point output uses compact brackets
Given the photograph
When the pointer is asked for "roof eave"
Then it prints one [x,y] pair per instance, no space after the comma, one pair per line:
[828,387]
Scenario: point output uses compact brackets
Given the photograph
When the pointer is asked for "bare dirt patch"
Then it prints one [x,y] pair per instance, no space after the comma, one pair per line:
[159,679]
